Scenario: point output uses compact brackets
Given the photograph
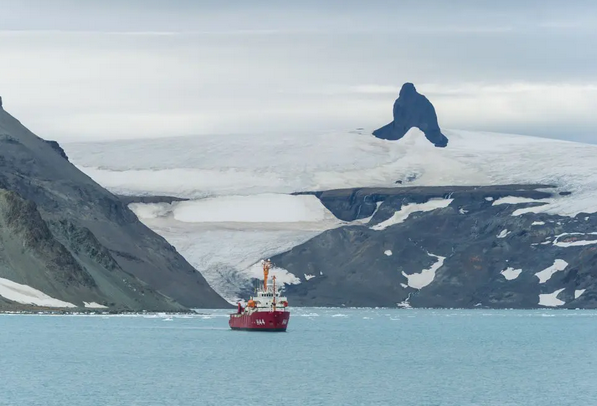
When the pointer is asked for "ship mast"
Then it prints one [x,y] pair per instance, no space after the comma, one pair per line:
[266,266]
[274,298]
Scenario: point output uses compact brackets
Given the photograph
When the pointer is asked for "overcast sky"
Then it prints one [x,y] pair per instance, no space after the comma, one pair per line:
[83,69]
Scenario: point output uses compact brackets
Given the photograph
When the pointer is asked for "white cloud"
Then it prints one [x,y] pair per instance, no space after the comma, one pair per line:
[97,72]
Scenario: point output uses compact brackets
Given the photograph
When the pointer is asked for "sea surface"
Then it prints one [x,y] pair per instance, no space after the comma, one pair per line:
[327,357]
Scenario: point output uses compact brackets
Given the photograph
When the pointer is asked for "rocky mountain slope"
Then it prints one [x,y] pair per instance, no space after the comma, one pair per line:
[447,247]
[65,237]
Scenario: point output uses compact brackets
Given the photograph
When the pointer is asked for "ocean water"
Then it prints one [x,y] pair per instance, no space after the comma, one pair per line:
[327,357]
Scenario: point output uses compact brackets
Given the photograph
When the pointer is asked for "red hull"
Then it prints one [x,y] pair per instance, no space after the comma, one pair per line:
[260,321]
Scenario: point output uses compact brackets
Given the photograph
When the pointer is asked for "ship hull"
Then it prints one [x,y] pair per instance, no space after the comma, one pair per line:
[260,321]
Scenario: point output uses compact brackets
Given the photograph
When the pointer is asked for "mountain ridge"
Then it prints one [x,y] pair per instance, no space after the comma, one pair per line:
[134,268]
[502,185]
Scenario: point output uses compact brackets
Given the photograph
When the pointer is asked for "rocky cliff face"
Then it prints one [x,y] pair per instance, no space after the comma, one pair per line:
[82,243]
[412,109]
[447,247]
[79,271]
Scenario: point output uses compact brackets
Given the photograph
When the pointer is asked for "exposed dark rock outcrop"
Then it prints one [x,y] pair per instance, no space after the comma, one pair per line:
[360,203]
[88,245]
[412,109]
[150,199]
[358,265]
[21,222]
[76,270]
[56,147]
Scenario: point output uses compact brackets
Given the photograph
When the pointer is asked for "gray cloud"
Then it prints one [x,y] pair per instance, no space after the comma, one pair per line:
[74,69]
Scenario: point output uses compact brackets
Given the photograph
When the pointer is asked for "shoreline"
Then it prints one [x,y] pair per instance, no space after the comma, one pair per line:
[207,312]
[97,312]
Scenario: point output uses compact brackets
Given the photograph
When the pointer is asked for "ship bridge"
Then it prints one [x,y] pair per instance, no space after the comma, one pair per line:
[267,298]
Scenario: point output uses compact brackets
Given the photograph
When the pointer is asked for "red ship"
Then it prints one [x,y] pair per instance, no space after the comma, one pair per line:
[266,311]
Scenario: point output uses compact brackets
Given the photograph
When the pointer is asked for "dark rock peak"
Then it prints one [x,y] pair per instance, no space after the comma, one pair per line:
[412,109]
[408,90]
[0,102]
[56,147]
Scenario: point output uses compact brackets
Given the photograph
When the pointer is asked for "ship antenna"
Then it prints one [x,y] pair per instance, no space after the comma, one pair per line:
[274,298]
[266,265]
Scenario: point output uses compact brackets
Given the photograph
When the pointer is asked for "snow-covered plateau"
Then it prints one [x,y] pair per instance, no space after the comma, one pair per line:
[206,166]
[240,206]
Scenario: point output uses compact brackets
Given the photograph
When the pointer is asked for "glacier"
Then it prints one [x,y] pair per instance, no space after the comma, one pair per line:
[204,166]
[240,206]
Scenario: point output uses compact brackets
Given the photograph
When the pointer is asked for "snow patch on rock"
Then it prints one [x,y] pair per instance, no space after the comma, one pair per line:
[367,219]
[511,273]
[575,242]
[546,274]
[426,276]
[533,209]
[516,200]
[551,299]
[93,305]
[578,292]
[405,211]
[503,234]
[27,295]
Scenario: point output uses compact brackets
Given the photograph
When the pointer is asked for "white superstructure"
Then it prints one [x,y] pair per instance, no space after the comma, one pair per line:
[267,297]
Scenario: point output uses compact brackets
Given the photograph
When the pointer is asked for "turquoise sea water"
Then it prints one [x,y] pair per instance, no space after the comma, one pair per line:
[327,357]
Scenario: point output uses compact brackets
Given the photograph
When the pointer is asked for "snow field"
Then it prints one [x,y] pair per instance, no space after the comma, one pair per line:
[27,295]
[263,208]
[200,166]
